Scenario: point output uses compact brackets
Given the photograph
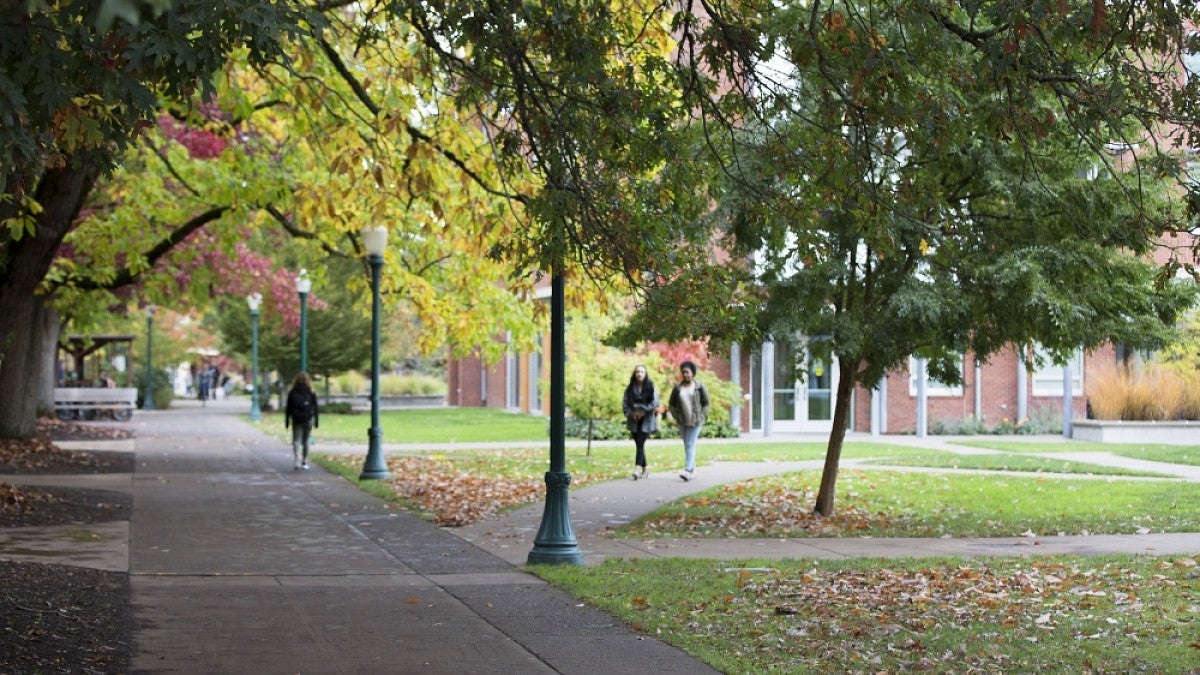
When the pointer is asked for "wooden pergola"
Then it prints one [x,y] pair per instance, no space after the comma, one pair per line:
[79,347]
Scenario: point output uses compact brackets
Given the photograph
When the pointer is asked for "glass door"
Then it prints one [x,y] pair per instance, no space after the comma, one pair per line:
[802,405]
[818,394]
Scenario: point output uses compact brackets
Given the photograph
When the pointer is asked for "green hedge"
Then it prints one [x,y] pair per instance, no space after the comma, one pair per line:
[164,393]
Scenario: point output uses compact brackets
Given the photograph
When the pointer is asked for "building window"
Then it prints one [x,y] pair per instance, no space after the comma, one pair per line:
[535,384]
[513,399]
[1048,380]
[932,387]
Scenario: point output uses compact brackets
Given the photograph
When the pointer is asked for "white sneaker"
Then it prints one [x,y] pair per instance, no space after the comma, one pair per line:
[636,475]
[685,475]
[304,465]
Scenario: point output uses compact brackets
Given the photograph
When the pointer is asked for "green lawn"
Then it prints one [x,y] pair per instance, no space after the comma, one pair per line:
[1110,614]
[427,425]
[1015,615]
[1003,461]
[881,503]
[1173,454]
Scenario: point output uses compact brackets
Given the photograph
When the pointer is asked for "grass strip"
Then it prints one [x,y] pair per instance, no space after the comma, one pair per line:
[1003,461]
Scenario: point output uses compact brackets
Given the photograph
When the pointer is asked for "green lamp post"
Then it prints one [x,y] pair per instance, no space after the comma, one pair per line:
[254,300]
[303,286]
[148,396]
[555,541]
[375,242]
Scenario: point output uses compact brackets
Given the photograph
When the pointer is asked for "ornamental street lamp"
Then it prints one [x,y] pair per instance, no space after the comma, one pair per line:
[148,396]
[254,300]
[375,241]
[555,541]
[303,286]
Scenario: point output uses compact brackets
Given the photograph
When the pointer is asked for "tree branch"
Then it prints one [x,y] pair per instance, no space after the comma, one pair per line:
[365,98]
[974,37]
[127,276]
[162,157]
[298,233]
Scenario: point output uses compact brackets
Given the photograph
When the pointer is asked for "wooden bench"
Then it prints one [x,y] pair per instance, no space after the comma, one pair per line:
[87,403]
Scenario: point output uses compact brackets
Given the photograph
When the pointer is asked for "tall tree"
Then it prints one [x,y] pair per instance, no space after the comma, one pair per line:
[369,112]
[931,177]
[72,97]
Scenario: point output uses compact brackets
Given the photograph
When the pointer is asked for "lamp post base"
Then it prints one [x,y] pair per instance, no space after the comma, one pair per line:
[555,542]
[374,468]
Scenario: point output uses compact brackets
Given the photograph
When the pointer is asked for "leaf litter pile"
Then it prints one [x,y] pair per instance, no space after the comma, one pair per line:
[453,495]
[458,497]
[64,430]
[41,455]
[467,488]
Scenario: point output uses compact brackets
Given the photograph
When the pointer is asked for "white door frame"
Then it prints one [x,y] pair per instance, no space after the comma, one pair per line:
[801,393]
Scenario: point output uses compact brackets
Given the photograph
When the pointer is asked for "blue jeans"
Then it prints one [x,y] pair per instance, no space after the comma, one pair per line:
[689,434]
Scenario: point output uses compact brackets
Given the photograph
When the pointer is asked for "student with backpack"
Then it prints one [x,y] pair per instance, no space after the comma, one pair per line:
[301,415]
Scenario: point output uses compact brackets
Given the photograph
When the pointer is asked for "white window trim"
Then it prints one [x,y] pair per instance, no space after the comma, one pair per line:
[932,386]
[1048,380]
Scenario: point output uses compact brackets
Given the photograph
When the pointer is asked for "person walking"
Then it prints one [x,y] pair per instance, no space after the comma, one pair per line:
[302,415]
[205,385]
[689,407]
[640,405]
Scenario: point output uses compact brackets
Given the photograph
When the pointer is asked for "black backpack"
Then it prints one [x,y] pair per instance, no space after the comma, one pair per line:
[301,405]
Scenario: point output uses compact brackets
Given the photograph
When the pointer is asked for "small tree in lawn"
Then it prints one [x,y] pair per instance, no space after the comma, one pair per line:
[596,373]
[936,178]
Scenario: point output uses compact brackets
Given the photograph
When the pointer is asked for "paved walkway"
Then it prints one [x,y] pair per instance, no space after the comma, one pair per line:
[240,564]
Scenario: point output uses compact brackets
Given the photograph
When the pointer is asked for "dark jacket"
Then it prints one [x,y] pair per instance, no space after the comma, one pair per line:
[645,402]
[301,407]
[675,403]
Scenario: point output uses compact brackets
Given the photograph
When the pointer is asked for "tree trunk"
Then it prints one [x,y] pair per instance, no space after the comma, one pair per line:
[833,453]
[23,265]
[45,355]
[18,398]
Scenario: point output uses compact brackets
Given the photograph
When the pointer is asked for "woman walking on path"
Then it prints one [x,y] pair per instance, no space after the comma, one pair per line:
[301,414]
[641,407]
[689,408]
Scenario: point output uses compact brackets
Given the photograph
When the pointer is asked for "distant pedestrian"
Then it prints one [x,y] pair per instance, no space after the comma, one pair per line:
[214,382]
[640,405]
[689,408]
[302,414]
[205,384]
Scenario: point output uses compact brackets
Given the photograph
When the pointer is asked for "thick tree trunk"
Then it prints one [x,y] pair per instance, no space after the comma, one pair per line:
[45,356]
[833,453]
[18,399]
[23,265]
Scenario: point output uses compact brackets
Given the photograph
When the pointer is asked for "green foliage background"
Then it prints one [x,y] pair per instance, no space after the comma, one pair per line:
[598,374]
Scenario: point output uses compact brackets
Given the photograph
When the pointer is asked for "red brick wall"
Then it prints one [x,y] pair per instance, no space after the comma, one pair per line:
[998,401]
[999,390]
[464,382]
[720,367]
